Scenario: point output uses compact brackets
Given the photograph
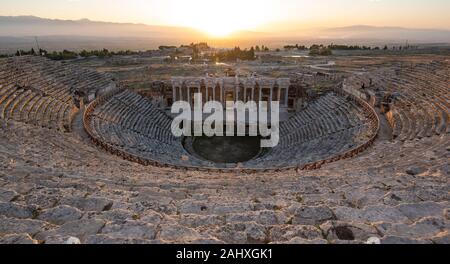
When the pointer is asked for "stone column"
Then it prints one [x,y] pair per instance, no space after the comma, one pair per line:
[181,93]
[214,92]
[271,94]
[279,94]
[174,93]
[286,96]
[260,94]
[207,88]
[269,104]
[253,93]
[245,94]
[221,93]
[189,95]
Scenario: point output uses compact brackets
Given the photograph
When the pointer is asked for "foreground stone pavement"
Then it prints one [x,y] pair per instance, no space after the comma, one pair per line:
[54,186]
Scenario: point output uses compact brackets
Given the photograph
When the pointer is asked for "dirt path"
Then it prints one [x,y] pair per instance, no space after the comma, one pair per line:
[385,129]
[78,129]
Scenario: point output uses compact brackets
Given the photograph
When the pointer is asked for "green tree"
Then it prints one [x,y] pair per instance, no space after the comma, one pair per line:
[251,55]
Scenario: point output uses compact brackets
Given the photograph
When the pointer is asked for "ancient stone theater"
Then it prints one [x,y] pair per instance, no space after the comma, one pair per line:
[84,156]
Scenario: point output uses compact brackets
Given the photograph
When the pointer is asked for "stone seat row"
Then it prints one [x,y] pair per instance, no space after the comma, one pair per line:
[134,125]
[422,105]
[306,152]
[30,107]
[327,115]
[54,79]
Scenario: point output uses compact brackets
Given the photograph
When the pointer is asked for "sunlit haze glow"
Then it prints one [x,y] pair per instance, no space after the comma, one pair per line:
[222,17]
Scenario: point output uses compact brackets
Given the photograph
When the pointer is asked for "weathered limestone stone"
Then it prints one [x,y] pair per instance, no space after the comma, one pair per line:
[445,169]
[230,233]
[415,170]
[57,239]
[270,218]
[151,217]
[193,207]
[425,228]
[364,197]
[232,208]
[105,239]
[370,214]
[286,233]
[337,230]
[159,204]
[301,241]
[18,226]
[264,217]
[312,215]
[43,200]
[345,242]
[73,241]
[373,241]
[115,215]
[195,221]
[130,229]
[436,193]
[60,214]
[241,217]
[256,233]
[16,210]
[240,233]
[170,220]
[274,203]
[7,195]
[402,240]
[397,197]
[442,238]
[97,204]
[177,233]
[18,239]
[416,211]
[79,228]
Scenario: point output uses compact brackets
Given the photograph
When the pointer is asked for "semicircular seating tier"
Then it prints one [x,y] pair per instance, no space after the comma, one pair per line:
[131,126]
[329,129]
[418,97]
[39,91]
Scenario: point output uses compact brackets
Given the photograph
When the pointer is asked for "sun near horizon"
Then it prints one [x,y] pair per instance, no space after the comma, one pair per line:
[220,18]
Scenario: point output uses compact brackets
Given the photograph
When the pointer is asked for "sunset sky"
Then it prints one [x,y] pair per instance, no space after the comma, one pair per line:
[225,16]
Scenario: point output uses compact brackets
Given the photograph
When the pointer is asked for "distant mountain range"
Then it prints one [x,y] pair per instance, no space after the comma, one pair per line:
[19,31]
[387,33]
[20,26]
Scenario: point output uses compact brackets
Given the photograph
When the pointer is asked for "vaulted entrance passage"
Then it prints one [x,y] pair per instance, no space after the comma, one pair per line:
[226,149]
